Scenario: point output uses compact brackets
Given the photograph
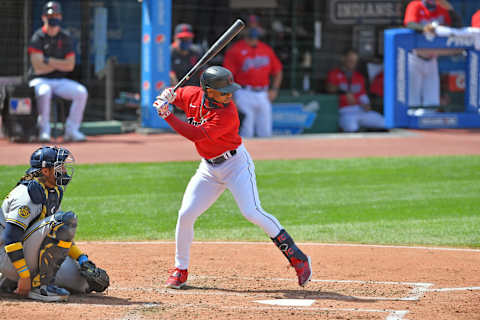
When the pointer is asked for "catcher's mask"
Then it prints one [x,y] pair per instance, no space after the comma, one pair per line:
[219,79]
[58,158]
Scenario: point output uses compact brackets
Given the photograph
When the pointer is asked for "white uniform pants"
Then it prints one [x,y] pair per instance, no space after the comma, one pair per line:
[236,174]
[257,109]
[67,89]
[423,81]
[352,118]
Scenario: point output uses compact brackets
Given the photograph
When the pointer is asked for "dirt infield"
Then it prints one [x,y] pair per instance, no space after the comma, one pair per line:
[252,280]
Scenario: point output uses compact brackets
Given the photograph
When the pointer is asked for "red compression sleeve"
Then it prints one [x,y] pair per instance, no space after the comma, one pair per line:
[190,132]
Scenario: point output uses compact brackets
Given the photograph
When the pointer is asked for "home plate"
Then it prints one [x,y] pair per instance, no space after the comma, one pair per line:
[288,302]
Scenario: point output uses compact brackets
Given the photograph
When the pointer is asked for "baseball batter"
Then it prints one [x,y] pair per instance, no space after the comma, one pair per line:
[38,258]
[52,58]
[423,74]
[252,63]
[212,125]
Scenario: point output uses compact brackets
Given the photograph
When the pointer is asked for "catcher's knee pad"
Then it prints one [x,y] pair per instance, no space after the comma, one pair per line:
[65,226]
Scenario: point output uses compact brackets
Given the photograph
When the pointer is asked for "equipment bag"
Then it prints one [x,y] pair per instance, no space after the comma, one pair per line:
[19,115]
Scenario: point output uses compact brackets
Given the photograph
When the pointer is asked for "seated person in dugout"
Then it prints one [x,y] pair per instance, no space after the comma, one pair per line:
[354,104]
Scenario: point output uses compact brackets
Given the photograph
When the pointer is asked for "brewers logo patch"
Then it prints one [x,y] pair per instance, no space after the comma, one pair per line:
[24,212]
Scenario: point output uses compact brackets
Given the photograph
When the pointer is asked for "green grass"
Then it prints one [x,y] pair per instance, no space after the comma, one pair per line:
[405,200]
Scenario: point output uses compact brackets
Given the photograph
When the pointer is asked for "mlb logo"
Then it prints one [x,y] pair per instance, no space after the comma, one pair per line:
[20,106]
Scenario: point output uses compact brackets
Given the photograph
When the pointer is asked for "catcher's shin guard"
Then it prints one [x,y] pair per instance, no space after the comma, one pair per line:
[54,248]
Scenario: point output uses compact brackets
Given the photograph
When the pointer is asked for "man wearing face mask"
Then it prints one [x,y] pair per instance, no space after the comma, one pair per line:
[255,67]
[184,54]
[52,57]
[424,79]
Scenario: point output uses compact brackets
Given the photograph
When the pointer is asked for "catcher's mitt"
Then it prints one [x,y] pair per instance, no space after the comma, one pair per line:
[97,278]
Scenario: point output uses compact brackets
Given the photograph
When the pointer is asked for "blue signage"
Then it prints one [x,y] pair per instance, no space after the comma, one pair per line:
[156,24]
[398,43]
[291,118]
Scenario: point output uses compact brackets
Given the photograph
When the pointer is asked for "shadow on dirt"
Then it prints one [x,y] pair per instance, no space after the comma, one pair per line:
[87,299]
[287,294]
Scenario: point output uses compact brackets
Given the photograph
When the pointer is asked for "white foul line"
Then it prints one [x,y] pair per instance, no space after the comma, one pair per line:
[453,289]
[269,243]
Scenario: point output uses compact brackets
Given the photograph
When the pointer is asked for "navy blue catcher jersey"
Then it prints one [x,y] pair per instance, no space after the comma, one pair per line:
[60,46]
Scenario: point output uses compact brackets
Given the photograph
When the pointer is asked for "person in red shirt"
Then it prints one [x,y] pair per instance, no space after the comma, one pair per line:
[253,63]
[354,104]
[424,79]
[212,125]
[476,19]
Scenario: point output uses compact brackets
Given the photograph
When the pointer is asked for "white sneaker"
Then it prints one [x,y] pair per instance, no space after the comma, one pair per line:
[74,135]
[50,293]
[44,137]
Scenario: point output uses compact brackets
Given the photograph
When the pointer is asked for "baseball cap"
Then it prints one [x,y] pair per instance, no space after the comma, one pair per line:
[52,7]
[183,30]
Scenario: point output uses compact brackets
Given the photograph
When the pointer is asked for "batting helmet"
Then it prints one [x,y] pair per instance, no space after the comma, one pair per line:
[53,157]
[218,78]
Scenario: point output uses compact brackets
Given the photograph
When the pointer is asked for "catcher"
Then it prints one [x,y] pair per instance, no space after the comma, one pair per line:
[38,257]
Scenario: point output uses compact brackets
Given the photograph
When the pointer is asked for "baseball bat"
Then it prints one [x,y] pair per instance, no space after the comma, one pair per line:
[221,42]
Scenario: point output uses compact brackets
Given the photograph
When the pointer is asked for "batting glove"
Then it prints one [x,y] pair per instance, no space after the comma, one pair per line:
[167,95]
[162,108]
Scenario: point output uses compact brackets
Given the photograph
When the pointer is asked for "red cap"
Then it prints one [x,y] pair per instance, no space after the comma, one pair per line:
[183,30]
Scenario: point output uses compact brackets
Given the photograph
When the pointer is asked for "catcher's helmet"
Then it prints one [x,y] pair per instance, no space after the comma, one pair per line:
[53,157]
[218,78]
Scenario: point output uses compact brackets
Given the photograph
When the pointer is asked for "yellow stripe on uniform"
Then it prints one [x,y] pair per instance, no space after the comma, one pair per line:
[64,244]
[22,268]
[13,247]
[43,224]
[18,223]
[19,264]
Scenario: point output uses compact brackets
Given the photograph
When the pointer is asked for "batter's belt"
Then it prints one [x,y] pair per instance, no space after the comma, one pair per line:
[222,158]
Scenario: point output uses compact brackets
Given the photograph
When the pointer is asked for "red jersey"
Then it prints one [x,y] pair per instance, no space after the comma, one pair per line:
[417,12]
[355,85]
[377,85]
[252,66]
[214,131]
[476,19]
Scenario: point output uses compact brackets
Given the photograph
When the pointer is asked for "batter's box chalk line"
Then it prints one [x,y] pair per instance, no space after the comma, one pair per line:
[417,291]
[418,288]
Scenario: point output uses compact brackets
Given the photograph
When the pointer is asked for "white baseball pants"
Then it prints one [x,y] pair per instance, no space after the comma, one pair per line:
[352,118]
[236,174]
[257,109]
[67,89]
[423,81]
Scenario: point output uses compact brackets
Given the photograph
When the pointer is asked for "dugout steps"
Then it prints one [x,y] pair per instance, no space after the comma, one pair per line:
[94,128]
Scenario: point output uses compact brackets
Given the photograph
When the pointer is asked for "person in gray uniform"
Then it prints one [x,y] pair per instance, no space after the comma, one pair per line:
[38,257]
